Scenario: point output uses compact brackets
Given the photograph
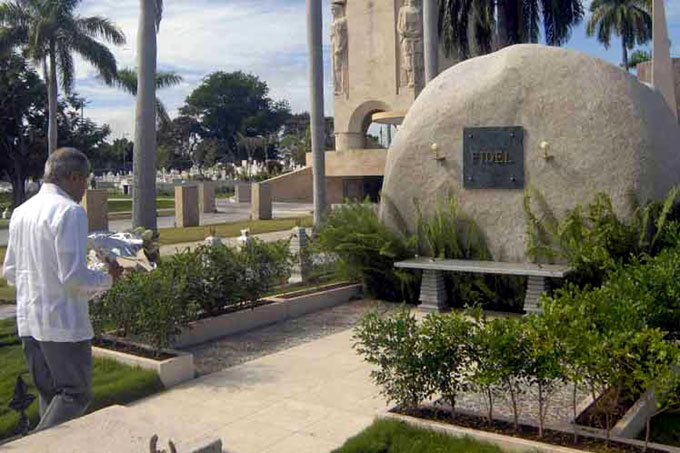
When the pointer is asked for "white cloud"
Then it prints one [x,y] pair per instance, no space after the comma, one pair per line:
[264,37]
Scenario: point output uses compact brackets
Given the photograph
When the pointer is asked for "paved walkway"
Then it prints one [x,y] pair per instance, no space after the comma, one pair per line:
[8,311]
[171,249]
[309,398]
[228,212]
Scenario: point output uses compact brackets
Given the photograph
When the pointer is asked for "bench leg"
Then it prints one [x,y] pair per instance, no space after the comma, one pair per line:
[535,287]
[433,292]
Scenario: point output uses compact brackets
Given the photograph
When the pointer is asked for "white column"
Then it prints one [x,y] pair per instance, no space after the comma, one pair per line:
[431,35]
[316,110]
[662,65]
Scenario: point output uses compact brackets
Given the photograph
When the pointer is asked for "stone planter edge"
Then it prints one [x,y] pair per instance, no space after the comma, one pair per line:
[507,443]
[172,371]
[249,319]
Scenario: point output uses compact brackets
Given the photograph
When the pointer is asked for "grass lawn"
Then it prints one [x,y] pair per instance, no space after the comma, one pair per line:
[112,383]
[391,436]
[226,230]
[6,292]
[126,205]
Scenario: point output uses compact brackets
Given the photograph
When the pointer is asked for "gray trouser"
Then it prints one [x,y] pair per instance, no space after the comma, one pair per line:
[62,372]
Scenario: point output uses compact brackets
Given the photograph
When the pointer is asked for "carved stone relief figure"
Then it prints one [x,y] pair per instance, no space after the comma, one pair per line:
[339,47]
[410,29]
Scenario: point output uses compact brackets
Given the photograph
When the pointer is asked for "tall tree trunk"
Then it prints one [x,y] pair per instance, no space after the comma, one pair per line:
[625,54]
[18,185]
[52,101]
[316,111]
[144,159]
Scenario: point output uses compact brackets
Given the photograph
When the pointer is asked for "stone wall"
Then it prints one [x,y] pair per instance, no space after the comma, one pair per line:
[297,187]
[644,73]
[374,69]
[362,162]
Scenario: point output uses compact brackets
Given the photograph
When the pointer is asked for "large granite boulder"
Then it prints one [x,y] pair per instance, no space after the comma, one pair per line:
[607,132]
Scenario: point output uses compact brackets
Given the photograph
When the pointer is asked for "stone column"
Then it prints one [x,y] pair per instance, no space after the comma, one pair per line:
[186,206]
[316,110]
[96,205]
[433,292]
[242,192]
[535,287]
[431,39]
[299,243]
[261,203]
[206,197]
[663,78]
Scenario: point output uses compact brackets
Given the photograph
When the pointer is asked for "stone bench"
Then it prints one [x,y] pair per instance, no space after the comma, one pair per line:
[433,292]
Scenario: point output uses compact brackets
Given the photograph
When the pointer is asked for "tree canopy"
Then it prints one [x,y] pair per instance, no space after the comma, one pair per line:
[477,27]
[50,33]
[227,105]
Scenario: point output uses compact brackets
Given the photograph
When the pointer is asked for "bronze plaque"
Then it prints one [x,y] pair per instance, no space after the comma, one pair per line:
[493,157]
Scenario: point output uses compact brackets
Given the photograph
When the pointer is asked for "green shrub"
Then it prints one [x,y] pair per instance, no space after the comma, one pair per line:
[155,306]
[209,277]
[445,359]
[593,240]
[366,250]
[451,234]
[263,266]
[394,344]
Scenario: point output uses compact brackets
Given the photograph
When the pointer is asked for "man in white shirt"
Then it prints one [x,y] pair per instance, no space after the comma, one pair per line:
[46,262]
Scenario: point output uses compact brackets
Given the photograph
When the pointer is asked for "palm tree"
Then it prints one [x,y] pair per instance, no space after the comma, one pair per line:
[126,79]
[629,19]
[144,165]
[480,26]
[49,34]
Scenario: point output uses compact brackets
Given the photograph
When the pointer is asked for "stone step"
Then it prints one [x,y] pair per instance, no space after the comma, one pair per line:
[114,429]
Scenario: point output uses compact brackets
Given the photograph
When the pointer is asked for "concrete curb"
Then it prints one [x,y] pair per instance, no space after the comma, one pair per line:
[507,443]
[172,371]
[241,321]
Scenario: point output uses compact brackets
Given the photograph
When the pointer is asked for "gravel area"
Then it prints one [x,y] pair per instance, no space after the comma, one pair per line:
[239,348]
[559,412]
[243,347]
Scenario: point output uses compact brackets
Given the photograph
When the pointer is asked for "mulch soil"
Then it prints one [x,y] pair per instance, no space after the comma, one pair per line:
[313,290]
[525,432]
[127,348]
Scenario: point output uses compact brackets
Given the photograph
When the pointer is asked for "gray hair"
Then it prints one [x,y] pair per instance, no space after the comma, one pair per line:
[65,162]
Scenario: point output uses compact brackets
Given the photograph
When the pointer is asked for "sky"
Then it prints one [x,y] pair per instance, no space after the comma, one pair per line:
[263,37]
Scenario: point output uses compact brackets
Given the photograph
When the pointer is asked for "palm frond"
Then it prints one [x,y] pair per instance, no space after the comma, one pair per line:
[66,68]
[98,55]
[100,28]
[126,80]
[166,79]
[162,113]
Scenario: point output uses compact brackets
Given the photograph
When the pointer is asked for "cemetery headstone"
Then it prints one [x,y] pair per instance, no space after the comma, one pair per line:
[261,203]
[95,203]
[206,197]
[186,206]
[299,245]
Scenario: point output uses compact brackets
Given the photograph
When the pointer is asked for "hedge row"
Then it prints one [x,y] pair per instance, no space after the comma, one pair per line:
[155,306]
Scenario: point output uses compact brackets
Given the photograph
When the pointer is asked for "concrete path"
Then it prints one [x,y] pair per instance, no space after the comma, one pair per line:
[307,399]
[227,212]
[8,311]
[171,249]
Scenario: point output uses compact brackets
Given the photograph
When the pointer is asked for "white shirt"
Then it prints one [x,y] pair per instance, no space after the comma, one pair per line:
[46,261]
